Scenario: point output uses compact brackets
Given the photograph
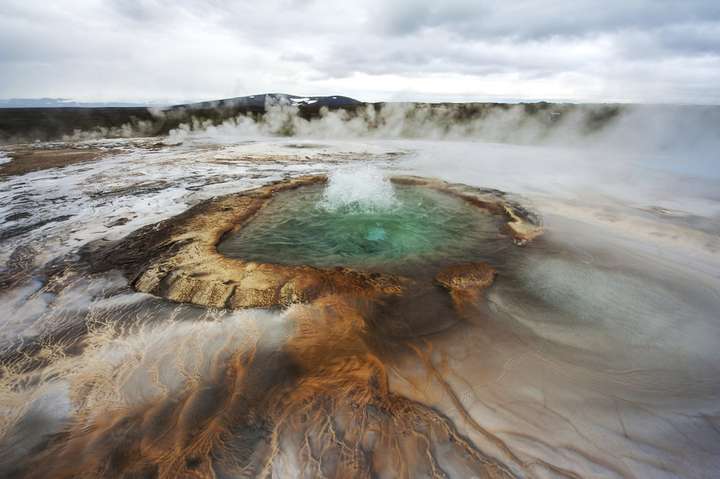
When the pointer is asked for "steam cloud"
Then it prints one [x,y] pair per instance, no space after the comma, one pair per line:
[638,128]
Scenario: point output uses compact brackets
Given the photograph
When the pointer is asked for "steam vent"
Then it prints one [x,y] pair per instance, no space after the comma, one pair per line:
[284,243]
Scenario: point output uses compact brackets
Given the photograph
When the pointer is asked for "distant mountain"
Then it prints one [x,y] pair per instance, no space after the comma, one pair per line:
[250,102]
[62,103]
[42,119]
[265,99]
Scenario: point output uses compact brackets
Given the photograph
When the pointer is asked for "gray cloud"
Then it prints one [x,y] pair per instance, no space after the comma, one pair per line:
[583,50]
[533,19]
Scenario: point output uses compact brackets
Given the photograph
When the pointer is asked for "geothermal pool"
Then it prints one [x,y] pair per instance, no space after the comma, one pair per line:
[376,345]
[407,228]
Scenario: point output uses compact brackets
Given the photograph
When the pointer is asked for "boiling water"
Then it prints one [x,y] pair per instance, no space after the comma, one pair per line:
[358,188]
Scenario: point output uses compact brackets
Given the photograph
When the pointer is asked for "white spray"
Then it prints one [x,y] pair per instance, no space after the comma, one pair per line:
[359,188]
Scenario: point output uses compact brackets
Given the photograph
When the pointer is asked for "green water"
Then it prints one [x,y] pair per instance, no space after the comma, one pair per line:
[424,226]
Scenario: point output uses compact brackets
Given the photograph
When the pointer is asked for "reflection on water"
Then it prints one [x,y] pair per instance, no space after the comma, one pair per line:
[593,354]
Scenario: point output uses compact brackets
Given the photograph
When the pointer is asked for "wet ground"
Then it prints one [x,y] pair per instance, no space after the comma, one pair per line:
[593,354]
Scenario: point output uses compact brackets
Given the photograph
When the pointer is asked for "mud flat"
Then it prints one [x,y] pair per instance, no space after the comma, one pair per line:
[25,160]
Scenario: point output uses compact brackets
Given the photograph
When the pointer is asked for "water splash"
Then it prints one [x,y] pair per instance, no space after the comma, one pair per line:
[359,189]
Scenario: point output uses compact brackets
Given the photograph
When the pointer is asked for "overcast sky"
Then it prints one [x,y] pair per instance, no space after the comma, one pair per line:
[507,50]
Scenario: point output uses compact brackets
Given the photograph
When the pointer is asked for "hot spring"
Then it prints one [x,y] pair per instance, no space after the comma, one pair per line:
[415,227]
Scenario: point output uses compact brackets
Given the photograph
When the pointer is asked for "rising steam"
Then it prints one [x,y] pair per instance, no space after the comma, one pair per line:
[633,128]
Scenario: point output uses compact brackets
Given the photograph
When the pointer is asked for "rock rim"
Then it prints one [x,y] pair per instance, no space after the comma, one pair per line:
[466,281]
[177,259]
